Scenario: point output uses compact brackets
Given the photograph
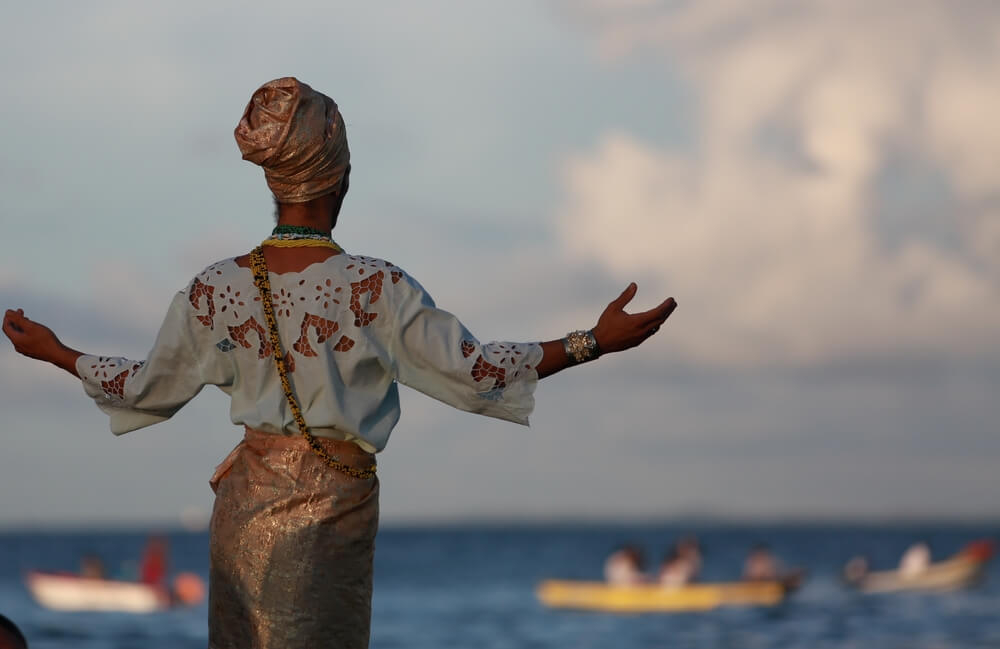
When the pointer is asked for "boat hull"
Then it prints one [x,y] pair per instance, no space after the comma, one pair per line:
[944,576]
[599,596]
[72,593]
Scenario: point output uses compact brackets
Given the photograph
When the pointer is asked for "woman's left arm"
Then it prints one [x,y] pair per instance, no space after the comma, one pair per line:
[434,353]
[616,331]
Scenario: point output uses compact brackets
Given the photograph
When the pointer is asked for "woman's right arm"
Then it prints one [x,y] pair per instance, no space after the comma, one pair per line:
[35,340]
[134,393]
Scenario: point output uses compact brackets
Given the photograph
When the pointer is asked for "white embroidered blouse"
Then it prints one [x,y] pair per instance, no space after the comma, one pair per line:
[351,327]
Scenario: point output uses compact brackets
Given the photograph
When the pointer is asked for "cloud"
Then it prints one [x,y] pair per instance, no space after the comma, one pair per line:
[78,323]
[115,306]
[813,129]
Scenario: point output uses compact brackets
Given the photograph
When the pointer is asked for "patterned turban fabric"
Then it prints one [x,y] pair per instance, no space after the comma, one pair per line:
[297,135]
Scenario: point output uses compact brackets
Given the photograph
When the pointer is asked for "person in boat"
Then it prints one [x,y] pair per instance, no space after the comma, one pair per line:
[10,635]
[624,567]
[916,560]
[675,569]
[682,563]
[92,567]
[310,342]
[689,549]
[761,564]
[153,566]
[856,569]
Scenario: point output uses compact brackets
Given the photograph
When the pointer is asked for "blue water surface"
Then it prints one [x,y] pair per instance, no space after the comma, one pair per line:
[473,587]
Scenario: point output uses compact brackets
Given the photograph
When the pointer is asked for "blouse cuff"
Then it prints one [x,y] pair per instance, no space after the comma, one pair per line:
[104,377]
[511,395]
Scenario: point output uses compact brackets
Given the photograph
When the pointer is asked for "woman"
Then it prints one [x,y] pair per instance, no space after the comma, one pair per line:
[309,342]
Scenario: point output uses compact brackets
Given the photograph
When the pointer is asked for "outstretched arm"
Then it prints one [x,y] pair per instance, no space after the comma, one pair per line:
[35,340]
[615,331]
[135,393]
[431,351]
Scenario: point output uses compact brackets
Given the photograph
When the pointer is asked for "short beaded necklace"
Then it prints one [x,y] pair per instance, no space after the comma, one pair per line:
[300,236]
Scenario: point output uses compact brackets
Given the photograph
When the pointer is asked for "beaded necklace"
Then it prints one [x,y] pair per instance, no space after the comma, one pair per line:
[299,229]
[300,236]
[260,278]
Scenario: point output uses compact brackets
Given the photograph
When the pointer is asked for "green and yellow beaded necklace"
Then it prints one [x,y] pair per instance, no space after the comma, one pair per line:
[300,236]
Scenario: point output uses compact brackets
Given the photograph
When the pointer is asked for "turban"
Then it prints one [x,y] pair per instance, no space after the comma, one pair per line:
[297,135]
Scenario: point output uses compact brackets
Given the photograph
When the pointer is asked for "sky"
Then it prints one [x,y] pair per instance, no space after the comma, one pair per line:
[814,182]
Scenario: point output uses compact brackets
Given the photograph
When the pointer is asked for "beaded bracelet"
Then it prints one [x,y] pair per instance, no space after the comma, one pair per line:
[581,346]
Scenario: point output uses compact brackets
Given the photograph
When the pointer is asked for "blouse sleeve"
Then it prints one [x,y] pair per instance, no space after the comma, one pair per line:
[434,353]
[138,393]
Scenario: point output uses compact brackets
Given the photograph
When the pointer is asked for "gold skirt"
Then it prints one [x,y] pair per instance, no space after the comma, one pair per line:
[292,544]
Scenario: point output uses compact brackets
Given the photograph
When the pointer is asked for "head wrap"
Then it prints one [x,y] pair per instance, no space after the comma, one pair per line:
[297,135]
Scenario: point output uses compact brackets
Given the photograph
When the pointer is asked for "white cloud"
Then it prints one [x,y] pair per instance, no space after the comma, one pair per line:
[768,232]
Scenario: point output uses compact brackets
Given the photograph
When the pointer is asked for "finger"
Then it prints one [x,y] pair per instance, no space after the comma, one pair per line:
[656,324]
[626,297]
[17,317]
[657,314]
[670,304]
[12,331]
[17,321]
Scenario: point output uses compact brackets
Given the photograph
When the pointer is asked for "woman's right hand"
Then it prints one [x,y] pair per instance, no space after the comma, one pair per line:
[617,330]
[35,340]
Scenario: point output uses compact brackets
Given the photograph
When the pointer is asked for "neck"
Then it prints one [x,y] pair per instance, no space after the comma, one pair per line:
[319,213]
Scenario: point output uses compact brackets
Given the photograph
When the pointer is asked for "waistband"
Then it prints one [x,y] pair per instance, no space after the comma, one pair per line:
[344,451]
[263,443]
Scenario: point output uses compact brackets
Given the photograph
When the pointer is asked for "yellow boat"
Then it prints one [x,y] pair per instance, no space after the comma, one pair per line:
[653,598]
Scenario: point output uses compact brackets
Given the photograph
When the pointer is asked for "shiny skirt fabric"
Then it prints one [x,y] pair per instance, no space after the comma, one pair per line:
[292,544]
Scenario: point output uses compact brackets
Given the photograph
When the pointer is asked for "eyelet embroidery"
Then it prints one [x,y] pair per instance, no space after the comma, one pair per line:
[493,366]
[198,290]
[284,302]
[211,302]
[371,285]
[324,330]
[108,372]
[239,336]
[483,370]
[230,299]
[507,362]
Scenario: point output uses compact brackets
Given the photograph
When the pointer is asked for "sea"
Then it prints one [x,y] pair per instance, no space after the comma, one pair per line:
[473,587]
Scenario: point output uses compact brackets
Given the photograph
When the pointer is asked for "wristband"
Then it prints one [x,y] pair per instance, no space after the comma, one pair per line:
[581,346]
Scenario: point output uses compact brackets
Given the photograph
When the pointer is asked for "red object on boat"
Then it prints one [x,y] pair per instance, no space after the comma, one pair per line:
[153,569]
[981,550]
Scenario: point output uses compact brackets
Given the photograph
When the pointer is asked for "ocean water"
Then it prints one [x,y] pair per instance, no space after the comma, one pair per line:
[473,588]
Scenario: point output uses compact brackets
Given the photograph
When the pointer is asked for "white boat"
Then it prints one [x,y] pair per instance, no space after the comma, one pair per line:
[63,592]
[963,570]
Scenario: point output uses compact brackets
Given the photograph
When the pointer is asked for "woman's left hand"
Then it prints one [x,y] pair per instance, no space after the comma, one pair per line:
[30,338]
[618,330]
